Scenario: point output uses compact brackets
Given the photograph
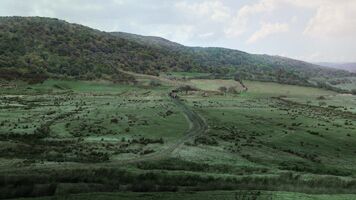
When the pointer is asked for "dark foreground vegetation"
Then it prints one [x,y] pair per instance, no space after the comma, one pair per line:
[49,182]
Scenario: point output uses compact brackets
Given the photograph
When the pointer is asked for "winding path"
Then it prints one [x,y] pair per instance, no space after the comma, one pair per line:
[197,127]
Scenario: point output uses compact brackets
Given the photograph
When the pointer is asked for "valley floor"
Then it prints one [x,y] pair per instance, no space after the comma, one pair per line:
[65,137]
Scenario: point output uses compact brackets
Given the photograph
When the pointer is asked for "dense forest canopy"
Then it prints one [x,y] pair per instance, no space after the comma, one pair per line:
[35,46]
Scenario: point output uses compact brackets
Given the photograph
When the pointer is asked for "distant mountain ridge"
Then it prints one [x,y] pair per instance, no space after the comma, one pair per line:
[32,46]
[343,66]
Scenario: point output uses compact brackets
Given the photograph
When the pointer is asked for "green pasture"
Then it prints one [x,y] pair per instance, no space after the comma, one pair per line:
[270,137]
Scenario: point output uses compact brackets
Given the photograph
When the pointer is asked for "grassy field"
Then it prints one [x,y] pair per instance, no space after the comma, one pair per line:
[214,85]
[65,137]
[93,120]
[266,126]
[187,75]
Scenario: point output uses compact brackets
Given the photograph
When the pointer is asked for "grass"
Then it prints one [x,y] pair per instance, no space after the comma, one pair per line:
[100,115]
[214,85]
[258,130]
[186,74]
[66,134]
[268,89]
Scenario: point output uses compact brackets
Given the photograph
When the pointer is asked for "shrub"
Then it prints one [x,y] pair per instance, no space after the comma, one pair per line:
[155,83]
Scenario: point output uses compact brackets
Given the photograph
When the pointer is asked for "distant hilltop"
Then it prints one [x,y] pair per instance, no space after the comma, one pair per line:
[351,67]
[47,47]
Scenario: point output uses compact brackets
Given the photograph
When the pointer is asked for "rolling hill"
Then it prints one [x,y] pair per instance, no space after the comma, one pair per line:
[184,130]
[41,47]
[343,66]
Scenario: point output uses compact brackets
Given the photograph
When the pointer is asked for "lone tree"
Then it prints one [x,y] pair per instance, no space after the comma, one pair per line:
[353,91]
[155,83]
[187,88]
[232,90]
[237,78]
[223,89]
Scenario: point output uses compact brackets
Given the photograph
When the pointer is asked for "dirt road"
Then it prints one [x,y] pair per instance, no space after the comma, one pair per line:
[197,127]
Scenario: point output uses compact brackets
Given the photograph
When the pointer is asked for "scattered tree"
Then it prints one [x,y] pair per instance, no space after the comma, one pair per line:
[223,89]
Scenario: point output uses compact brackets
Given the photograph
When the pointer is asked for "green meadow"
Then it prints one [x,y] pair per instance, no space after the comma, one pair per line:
[71,138]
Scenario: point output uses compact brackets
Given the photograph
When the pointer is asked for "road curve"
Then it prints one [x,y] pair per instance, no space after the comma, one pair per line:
[197,127]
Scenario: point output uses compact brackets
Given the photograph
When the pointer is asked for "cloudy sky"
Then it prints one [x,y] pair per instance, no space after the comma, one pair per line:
[311,30]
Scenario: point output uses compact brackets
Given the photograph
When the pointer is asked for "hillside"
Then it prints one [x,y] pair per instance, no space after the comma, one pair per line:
[148,40]
[185,127]
[41,47]
[343,66]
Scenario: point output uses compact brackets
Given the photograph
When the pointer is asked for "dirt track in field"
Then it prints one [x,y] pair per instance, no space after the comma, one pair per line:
[197,127]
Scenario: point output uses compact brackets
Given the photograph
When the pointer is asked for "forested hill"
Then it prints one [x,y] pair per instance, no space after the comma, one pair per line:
[34,46]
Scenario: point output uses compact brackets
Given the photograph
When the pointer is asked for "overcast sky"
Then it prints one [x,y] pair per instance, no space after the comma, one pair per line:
[311,30]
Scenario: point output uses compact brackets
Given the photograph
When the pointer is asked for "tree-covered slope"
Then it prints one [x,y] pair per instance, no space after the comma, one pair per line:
[33,46]
[57,47]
